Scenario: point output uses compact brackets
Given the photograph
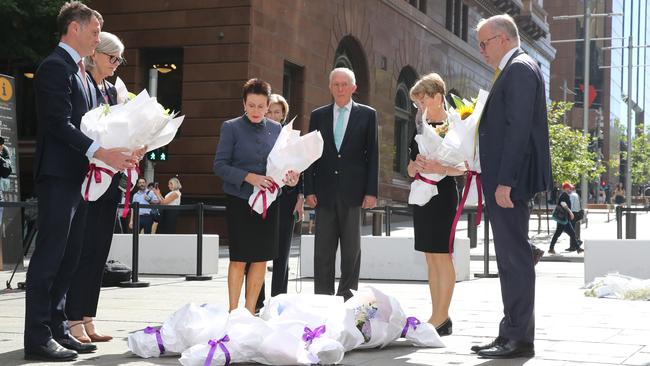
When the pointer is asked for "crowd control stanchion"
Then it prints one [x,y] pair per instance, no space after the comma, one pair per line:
[199,247]
[486,249]
[134,256]
[619,222]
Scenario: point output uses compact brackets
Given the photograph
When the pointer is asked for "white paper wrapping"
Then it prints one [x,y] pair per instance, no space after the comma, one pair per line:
[290,152]
[194,324]
[146,345]
[424,335]
[133,125]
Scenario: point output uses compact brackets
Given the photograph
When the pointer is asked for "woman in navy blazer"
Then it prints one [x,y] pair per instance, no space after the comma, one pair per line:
[240,161]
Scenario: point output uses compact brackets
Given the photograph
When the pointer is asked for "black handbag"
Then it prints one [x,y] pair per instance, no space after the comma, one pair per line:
[560,215]
[115,272]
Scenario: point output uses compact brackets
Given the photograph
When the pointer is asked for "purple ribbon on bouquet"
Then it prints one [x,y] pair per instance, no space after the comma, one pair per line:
[411,322]
[213,347]
[310,335]
[152,330]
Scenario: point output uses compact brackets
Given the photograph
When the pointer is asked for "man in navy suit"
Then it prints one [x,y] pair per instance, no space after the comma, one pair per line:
[64,93]
[515,164]
[341,182]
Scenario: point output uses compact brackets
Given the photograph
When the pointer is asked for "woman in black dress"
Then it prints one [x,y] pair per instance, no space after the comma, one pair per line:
[432,222]
[244,145]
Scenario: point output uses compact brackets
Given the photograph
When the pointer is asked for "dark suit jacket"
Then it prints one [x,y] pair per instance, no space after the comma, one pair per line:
[351,172]
[513,131]
[61,102]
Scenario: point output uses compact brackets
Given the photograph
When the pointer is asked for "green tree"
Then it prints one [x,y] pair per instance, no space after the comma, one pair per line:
[570,155]
[640,169]
[27,30]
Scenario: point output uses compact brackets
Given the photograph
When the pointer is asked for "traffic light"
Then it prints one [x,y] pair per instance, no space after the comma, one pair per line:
[160,154]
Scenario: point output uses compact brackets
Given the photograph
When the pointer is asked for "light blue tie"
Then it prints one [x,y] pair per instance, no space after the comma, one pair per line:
[338,129]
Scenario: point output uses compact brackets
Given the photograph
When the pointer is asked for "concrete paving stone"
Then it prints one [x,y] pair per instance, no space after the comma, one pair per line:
[638,359]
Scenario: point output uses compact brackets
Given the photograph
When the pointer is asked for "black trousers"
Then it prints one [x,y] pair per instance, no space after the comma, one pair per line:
[337,222]
[280,277]
[61,219]
[83,296]
[516,269]
[567,228]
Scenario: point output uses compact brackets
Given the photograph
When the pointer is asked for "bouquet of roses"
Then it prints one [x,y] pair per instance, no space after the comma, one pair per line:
[290,152]
[135,123]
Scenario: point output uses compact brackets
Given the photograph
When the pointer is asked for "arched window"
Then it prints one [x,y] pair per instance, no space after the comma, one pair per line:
[350,54]
[404,120]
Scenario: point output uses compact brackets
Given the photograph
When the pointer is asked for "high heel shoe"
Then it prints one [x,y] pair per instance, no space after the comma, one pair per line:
[445,328]
[78,331]
[95,336]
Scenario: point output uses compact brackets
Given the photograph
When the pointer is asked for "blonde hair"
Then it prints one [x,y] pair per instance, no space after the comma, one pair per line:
[279,99]
[429,85]
[108,44]
[176,184]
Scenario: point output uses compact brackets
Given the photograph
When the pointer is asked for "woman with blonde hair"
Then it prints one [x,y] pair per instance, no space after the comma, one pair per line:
[168,218]
[432,222]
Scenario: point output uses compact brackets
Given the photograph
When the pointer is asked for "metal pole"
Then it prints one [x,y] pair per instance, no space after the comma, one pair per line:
[199,247]
[628,167]
[585,100]
[486,249]
[153,92]
[135,259]
[564,88]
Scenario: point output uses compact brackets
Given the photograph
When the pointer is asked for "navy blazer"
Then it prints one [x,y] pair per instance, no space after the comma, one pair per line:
[351,172]
[243,148]
[61,102]
[513,131]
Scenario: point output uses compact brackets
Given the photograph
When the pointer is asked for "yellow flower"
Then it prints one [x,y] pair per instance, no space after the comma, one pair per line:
[465,110]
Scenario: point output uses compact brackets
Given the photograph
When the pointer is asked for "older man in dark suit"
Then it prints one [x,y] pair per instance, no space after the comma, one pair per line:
[64,93]
[341,182]
[515,164]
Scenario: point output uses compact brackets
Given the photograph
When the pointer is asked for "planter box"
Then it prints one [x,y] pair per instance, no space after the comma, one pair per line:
[388,258]
[167,253]
[626,256]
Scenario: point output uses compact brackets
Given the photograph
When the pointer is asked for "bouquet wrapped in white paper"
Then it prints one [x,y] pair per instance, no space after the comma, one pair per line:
[421,334]
[194,324]
[316,310]
[379,317]
[140,122]
[423,188]
[290,152]
[147,343]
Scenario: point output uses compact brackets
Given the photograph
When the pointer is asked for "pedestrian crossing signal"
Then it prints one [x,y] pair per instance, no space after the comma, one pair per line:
[159,154]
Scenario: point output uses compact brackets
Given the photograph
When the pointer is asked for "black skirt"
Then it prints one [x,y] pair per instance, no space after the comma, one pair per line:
[252,238]
[432,222]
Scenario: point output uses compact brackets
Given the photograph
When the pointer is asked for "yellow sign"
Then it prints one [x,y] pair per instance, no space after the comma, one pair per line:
[6,91]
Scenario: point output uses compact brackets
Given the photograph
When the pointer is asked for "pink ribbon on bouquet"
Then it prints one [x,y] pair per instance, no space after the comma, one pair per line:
[461,205]
[95,172]
[262,193]
[127,196]
[426,180]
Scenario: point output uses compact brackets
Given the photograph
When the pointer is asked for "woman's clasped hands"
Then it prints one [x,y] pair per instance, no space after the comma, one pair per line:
[264,182]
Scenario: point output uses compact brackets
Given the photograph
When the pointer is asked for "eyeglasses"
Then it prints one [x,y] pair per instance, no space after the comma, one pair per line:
[484,44]
[115,60]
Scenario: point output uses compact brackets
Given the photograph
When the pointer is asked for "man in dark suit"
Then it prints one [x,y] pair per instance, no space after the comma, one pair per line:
[515,164]
[341,182]
[64,93]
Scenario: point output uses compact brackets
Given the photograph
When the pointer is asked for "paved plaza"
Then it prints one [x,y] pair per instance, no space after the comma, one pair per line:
[571,329]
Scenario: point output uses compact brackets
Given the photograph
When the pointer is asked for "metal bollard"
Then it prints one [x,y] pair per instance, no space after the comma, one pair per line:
[472,229]
[199,247]
[619,222]
[135,250]
[377,223]
[630,225]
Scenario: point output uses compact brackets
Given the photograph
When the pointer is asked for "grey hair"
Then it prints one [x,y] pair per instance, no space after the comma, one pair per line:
[346,71]
[176,184]
[504,23]
[109,44]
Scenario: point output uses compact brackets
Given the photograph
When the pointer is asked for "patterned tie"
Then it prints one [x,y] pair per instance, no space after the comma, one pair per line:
[338,128]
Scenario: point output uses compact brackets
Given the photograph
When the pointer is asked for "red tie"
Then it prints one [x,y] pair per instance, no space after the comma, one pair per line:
[82,70]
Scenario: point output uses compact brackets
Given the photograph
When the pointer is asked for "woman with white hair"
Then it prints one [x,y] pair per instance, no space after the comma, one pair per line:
[83,296]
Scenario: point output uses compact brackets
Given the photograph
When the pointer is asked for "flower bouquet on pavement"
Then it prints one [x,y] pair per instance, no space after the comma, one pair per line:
[290,152]
[134,124]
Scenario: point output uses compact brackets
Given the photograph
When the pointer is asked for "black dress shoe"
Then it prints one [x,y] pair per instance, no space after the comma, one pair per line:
[445,328]
[70,343]
[51,352]
[510,349]
[498,340]
[571,249]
